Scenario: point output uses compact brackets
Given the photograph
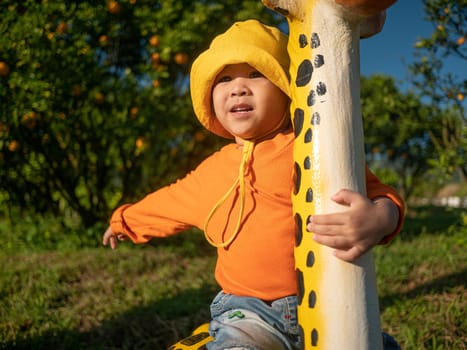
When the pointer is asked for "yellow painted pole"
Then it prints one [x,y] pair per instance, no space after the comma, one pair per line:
[338,302]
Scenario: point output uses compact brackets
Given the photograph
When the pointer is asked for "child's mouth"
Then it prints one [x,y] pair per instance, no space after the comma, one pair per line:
[241,108]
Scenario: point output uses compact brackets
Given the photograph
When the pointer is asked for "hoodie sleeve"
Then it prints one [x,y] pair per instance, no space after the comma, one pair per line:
[181,205]
[375,188]
[167,211]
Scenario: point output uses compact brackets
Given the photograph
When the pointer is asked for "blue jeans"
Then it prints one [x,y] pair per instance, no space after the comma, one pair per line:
[251,324]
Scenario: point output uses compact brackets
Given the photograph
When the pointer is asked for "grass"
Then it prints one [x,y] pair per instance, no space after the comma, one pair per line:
[422,280]
[147,297]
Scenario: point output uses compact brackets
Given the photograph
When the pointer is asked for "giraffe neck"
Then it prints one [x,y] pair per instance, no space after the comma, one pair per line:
[338,303]
[327,87]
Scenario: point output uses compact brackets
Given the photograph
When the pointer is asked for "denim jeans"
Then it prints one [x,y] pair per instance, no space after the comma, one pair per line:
[251,324]
[245,323]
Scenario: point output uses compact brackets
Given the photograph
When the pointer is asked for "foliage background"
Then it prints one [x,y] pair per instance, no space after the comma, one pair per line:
[95,102]
[95,99]
[95,111]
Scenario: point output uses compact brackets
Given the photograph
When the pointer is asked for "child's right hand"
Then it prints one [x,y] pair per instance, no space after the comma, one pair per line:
[110,237]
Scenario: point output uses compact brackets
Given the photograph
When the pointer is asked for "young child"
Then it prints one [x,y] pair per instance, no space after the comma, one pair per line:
[241,195]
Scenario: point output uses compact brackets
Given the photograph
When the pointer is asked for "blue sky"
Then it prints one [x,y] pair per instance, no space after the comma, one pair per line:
[390,51]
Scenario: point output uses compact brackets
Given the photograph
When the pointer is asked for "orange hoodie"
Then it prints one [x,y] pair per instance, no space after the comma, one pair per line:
[260,261]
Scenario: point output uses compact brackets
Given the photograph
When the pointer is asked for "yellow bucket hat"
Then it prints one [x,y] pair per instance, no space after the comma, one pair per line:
[261,46]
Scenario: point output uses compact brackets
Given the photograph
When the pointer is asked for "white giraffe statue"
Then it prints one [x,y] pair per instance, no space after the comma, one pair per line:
[338,301]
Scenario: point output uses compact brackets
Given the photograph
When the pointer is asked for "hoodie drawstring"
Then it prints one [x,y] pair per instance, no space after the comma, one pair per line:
[240,181]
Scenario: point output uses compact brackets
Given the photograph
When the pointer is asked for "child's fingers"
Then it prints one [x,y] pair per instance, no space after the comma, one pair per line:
[324,220]
[109,238]
[113,242]
[349,255]
[333,241]
[106,237]
[349,198]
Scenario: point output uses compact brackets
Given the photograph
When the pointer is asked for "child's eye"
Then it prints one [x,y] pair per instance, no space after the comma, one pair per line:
[256,74]
[223,79]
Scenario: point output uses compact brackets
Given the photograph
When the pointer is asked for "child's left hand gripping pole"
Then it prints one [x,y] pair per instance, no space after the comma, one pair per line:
[338,301]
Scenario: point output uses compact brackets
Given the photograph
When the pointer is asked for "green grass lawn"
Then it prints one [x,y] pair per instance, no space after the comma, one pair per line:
[146,297]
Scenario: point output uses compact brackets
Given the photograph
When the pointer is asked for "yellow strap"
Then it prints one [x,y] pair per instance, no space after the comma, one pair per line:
[240,180]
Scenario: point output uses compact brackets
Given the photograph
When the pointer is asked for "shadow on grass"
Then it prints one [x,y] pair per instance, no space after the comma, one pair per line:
[429,220]
[437,286]
[154,326]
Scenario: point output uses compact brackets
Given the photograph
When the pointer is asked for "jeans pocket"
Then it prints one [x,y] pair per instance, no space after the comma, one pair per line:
[289,314]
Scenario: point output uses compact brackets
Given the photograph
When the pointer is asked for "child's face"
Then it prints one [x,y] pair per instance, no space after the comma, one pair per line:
[246,103]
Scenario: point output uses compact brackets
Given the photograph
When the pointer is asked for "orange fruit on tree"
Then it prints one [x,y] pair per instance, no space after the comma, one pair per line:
[156,83]
[181,58]
[62,27]
[139,142]
[155,57]
[29,119]
[4,69]
[103,39]
[133,112]
[461,40]
[154,40]
[99,97]
[13,146]
[114,7]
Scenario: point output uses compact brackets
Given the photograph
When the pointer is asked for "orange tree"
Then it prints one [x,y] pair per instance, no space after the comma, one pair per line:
[397,126]
[94,98]
[448,40]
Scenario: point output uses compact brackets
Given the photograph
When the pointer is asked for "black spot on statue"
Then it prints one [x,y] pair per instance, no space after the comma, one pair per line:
[315,118]
[321,88]
[297,175]
[310,259]
[311,99]
[307,163]
[319,61]
[305,70]
[309,196]
[301,332]
[298,118]
[299,229]
[302,40]
[301,287]
[314,337]
[312,300]
[315,42]
[308,136]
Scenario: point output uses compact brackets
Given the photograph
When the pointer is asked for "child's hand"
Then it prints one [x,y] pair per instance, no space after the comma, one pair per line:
[110,237]
[355,231]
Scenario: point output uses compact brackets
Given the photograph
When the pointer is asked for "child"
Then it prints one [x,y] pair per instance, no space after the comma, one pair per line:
[241,195]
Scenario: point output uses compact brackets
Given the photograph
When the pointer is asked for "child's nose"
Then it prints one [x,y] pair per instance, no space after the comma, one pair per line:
[240,89]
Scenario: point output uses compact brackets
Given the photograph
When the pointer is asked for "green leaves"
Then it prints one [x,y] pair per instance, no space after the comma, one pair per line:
[90,109]
[442,89]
